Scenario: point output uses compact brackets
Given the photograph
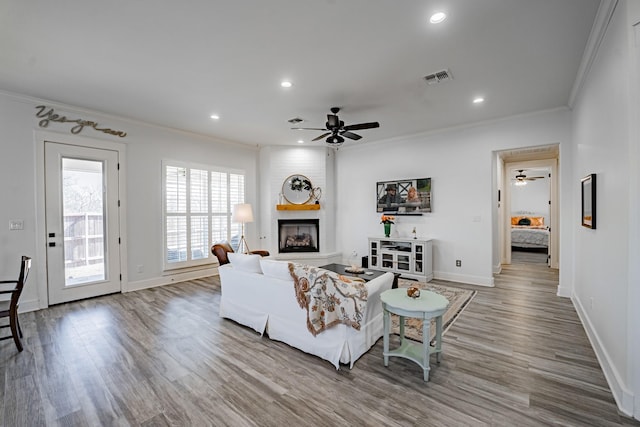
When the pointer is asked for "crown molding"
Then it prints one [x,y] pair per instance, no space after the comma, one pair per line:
[598,30]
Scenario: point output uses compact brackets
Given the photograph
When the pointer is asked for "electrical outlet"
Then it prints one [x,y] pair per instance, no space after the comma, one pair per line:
[140,268]
[458,263]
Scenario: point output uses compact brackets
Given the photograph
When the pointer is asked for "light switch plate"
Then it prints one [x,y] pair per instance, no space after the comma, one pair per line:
[16,224]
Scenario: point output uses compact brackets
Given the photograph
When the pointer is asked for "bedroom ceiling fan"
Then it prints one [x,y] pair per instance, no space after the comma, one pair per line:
[521,178]
[336,130]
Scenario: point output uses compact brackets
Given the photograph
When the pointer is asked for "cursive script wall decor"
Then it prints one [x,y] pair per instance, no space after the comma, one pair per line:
[50,116]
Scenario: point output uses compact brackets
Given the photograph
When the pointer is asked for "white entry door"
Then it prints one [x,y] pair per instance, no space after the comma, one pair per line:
[82,221]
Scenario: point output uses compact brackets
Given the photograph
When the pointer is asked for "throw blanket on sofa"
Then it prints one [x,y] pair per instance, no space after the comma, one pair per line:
[328,297]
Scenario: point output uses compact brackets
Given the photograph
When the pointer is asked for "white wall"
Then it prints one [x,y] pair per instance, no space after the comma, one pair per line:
[533,197]
[146,146]
[602,145]
[460,163]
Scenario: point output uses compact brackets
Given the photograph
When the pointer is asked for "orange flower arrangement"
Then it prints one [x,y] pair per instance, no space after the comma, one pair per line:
[387,219]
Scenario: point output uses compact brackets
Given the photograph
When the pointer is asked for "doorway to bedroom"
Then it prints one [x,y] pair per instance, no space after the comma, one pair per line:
[528,204]
[529,214]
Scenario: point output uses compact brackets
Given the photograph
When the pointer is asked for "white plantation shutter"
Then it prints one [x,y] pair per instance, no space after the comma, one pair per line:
[198,202]
[199,224]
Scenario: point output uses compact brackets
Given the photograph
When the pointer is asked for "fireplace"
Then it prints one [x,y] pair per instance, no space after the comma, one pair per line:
[298,235]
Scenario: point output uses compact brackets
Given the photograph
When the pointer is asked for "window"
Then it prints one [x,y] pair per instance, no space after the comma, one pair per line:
[198,202]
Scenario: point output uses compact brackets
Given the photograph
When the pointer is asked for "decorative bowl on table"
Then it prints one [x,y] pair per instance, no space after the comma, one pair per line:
[413,292]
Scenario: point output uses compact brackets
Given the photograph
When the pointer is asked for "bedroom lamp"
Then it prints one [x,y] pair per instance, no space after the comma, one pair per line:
[242,213]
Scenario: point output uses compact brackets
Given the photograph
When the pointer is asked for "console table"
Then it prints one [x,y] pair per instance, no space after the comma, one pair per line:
[410,257]
[426,307]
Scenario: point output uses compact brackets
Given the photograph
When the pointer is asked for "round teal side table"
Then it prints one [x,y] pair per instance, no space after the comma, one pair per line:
[428,306]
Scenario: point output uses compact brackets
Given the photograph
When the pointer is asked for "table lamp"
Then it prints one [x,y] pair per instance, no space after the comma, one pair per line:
[242,213]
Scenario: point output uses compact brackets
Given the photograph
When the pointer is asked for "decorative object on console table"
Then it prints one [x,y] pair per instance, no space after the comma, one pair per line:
[387,220]
[242,213]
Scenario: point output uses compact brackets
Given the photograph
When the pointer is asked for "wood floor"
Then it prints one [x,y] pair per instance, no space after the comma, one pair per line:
[517,356]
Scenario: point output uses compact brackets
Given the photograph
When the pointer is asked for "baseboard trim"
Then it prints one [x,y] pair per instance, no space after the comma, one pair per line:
[464,278]
[623,396]
[497,269]
[169,279]
[564,291]
[29,305]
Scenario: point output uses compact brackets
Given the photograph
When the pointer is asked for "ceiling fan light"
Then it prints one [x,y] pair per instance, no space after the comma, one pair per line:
[438,17]
[335,140]
[520,182]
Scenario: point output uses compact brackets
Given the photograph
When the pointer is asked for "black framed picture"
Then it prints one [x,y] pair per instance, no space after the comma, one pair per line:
[589,201]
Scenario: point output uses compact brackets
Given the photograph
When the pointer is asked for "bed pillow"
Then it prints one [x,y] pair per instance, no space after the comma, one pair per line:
[537,221]
[243,262]
[515,219]
[524,221]
[275,269]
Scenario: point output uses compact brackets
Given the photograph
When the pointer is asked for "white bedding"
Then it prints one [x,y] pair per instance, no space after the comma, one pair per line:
[525,237]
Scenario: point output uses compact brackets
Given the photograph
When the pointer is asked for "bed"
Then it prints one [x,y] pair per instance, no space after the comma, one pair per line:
[529,232]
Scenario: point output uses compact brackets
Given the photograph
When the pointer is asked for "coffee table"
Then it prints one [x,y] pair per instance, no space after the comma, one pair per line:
[428,306]
[341,269]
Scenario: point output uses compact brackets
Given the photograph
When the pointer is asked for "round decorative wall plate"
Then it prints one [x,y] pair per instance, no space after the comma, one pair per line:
[297,189]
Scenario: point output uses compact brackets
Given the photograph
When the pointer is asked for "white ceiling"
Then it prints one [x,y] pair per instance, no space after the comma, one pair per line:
[175,63]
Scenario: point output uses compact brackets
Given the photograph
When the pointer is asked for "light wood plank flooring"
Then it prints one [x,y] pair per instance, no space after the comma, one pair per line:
[517,356]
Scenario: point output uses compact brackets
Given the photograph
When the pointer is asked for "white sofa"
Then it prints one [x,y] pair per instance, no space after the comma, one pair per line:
[259,293]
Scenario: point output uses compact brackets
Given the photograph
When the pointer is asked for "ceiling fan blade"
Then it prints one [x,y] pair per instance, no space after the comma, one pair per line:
[308,128]
[350,135]
[321,136]
[332,121]
[361,126]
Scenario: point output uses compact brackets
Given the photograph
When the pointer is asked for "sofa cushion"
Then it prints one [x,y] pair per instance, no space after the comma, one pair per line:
[275,269]
[244,262]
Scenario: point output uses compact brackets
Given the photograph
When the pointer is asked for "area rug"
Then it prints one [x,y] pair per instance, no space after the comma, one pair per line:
[458,299]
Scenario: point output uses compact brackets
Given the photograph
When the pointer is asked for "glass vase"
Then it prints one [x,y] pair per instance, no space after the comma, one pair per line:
[387,229]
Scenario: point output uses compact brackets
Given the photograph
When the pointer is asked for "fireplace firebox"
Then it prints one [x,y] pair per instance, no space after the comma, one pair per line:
[298,235]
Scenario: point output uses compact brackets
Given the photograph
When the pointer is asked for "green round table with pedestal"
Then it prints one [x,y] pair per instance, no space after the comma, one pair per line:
[429,305]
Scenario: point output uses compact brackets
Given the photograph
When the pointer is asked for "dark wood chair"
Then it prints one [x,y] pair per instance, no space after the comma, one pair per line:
[221,249]
[9,308]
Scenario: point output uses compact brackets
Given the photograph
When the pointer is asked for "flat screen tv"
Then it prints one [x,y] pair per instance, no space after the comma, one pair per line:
[404,196]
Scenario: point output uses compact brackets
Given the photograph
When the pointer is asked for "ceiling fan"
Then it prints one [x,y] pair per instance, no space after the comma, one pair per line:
[335,129]
[521,178]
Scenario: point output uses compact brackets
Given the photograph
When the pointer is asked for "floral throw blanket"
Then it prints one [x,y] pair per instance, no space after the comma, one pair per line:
[328,297]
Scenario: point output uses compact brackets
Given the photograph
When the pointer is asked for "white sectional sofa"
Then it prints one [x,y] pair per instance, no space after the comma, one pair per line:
[259,293]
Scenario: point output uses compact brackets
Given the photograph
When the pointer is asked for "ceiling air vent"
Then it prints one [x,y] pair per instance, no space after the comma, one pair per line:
[438,77]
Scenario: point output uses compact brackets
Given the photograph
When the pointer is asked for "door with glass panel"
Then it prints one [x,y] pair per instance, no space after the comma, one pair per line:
[82,220]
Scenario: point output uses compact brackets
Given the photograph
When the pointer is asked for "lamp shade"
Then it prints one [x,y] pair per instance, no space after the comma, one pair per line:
[242,213]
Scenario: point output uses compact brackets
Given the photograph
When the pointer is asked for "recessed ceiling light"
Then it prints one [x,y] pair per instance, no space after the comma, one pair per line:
[286,83]
[478,100]
[300,141]
[215,117]
[438,17]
